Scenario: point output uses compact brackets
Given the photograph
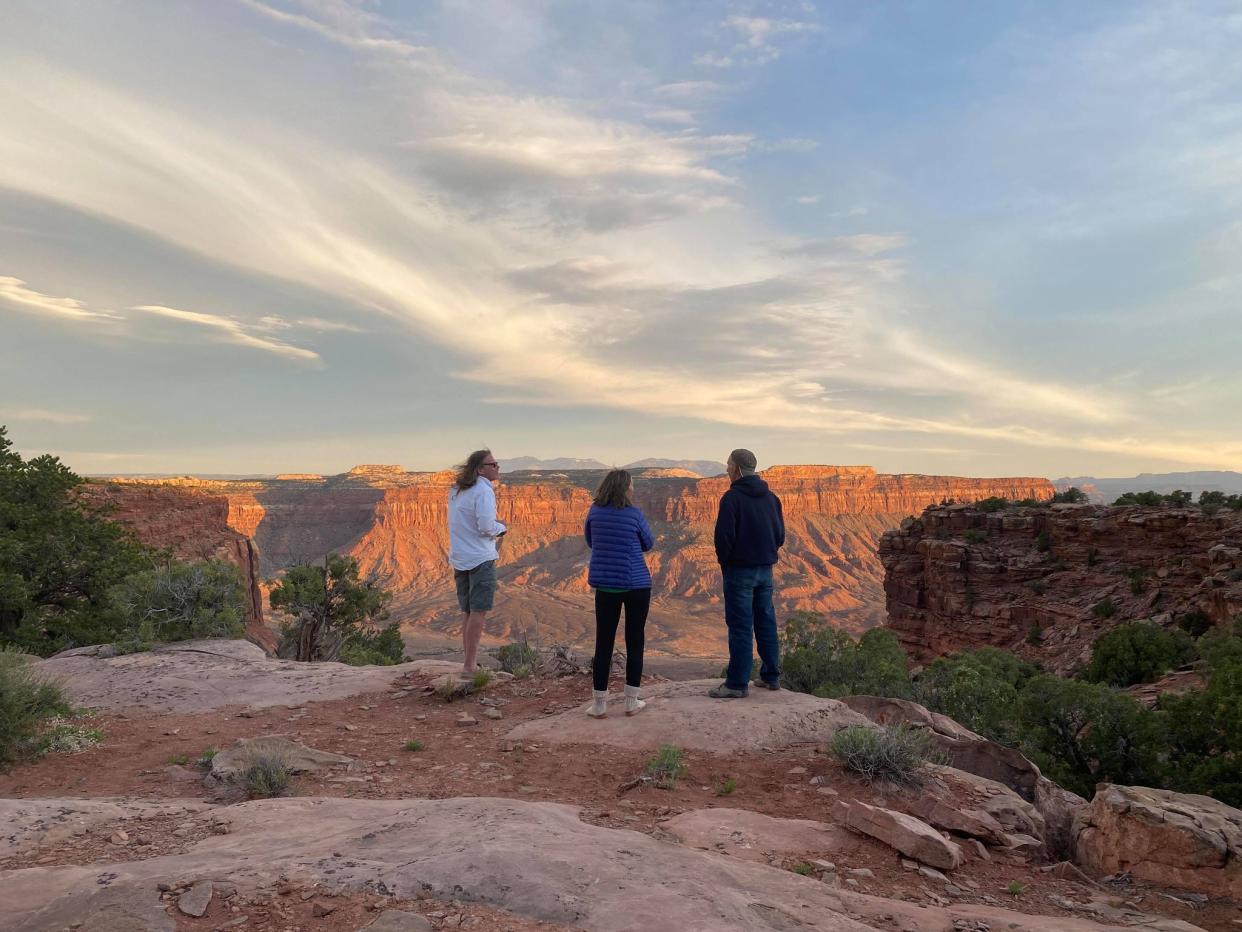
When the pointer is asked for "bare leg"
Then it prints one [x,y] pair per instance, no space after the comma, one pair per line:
[470,635]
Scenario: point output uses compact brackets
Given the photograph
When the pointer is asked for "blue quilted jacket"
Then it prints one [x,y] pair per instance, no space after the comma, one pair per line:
[618,538]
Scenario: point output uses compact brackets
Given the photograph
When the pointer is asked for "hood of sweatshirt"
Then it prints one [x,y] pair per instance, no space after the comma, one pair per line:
[752,486]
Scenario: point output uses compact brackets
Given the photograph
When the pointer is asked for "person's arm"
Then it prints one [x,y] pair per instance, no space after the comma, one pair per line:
[485,514]
[588,529]
[726,530]
[646,539]
[780,523]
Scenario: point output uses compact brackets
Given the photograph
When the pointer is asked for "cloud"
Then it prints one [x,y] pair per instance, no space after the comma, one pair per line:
[43,415]
[860,244]
[808,199]
[15,294]
[758,40]
[230,330]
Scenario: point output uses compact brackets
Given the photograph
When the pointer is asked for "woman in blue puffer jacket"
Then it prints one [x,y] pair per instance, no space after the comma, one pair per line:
[618,536]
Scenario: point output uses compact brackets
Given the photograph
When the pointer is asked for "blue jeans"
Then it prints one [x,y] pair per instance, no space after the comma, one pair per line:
[750,616]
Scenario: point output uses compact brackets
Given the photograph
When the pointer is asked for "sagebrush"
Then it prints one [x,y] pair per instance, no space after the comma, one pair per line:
[890,755]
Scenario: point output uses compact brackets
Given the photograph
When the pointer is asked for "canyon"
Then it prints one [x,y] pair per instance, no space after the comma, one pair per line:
[1037,580]
[394,523]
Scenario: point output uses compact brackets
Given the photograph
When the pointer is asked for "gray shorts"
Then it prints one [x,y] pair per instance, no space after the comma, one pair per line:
[476,588]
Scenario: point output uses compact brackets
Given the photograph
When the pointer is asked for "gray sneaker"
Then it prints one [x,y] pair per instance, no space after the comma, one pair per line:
[724,692]
[774,686]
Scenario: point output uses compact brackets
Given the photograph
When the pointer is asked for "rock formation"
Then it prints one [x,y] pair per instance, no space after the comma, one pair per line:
[1045,582]
[1179,839]
[394,523]
[194,524]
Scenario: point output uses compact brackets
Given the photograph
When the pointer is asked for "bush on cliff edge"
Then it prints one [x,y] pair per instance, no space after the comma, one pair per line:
[181,601]
[330,608]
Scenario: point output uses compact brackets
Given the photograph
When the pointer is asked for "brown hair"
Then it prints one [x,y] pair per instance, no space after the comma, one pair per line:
[614,490]
[468,472]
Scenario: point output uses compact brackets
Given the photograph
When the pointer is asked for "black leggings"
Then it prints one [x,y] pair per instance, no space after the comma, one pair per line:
[607,615]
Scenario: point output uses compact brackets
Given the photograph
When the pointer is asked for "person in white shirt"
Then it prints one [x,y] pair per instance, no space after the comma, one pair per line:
[473,535]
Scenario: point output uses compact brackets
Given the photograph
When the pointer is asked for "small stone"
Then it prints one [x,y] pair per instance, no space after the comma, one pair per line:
[194,902]
[907,864]
[120,837]
[865,872]
[797,770]
[350,727]
[466,719]
[932,874]
[494,714]
[321,908]
[826,791]
[395,920]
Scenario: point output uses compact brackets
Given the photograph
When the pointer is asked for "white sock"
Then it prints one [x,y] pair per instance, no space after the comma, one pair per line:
[599,703]
[632,702]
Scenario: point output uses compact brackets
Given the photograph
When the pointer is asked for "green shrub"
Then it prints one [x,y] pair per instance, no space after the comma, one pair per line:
[1105,608]
[665,768]
[1043,543]
[889,755]
[329,606]
[803,868]
[1034,635]
[366,647]
[1071,496]
[267,775]
[1137,652]
[1037,586]
[413,745]
[518,657]
[59,557]
[1093,556]
[977,688]
[179,602]
[1195,623]
[726,787]
[29,702]
[1138,579]
[975,537]
[61,736]
[481,679]
[820,659]
[1204,726]
[1084,733]
[992,504]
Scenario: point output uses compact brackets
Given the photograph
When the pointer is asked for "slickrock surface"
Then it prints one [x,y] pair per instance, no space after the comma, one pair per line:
[753,836]
[29,823]
[683,714]
[395,524]
[194,676]
[536,860]
[1179,839]
[1027,579]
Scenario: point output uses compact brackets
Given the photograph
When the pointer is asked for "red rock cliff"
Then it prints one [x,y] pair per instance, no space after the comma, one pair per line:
[191,523]
[1027,579]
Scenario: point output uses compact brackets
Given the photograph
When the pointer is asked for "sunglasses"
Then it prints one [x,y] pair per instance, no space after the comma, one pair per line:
[492,463]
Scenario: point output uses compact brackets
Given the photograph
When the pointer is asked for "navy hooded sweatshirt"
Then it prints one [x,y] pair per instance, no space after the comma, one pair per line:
[750,527]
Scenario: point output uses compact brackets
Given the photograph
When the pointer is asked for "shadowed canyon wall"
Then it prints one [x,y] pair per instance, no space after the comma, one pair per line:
[395,524]
[1037,580]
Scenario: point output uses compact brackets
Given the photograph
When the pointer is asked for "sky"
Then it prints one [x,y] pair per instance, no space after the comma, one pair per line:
[262,236]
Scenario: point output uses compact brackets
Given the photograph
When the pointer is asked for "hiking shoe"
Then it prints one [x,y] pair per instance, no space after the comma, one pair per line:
[724,692]
[774,686]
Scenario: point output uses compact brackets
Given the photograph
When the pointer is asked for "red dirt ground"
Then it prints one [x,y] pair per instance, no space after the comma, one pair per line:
[147,757]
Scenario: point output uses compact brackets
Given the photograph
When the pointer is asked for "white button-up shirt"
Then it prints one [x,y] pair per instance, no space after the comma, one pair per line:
[473,527]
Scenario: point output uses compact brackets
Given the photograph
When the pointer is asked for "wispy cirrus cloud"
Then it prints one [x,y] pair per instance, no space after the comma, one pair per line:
[229,330]
[43,415]
[758,40]
[16,294]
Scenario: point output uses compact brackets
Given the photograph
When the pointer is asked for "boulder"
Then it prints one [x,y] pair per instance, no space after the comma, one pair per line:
[194,902]
[1178,840]
[975,754]
[904,833]
[975,823]
[298,758]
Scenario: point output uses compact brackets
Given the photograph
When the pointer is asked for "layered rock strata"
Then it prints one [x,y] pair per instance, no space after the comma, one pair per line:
[395,524]
[1046,581]
[193,524]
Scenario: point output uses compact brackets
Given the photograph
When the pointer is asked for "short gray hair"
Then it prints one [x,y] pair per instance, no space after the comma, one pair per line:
[745,461]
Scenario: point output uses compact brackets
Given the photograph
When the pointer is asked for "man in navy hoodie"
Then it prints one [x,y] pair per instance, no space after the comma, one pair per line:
[750,530]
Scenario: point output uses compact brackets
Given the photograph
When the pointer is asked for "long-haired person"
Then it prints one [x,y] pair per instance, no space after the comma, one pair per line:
[618,536]
[473,533]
